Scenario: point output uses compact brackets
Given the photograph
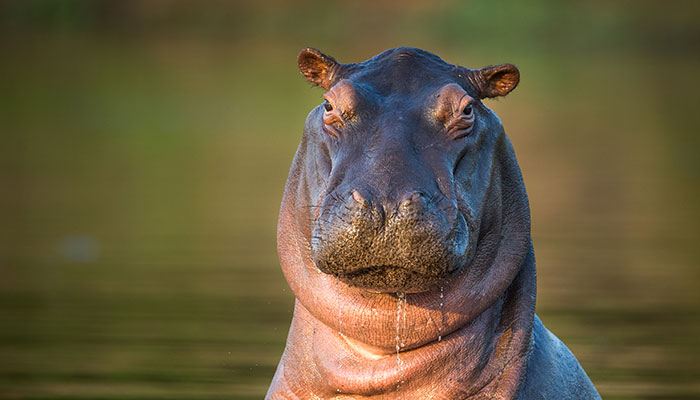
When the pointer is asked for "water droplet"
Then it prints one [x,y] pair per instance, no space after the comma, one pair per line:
[400,304]
[442,312]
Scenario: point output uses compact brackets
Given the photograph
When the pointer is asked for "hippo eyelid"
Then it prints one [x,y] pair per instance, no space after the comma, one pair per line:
[333,119]
[463,102]
[462,123]
[328,100]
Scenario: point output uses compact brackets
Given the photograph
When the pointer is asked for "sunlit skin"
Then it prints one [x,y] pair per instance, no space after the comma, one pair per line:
[404,234]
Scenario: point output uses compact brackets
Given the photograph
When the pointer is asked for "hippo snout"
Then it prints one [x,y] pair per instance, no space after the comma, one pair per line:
[407,244]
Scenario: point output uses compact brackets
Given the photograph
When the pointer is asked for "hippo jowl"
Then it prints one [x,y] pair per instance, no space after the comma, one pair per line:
[404,234]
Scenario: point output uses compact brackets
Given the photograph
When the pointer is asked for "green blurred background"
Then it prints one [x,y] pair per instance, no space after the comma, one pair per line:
[144,147]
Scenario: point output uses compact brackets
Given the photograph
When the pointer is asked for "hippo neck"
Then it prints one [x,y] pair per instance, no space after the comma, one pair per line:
[485,358]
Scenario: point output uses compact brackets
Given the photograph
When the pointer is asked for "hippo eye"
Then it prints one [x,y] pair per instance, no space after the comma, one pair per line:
[327,106]
[468,111]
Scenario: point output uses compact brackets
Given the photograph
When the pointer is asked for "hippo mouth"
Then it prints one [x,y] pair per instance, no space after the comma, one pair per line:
[408,256]
[409,250]
[389,278]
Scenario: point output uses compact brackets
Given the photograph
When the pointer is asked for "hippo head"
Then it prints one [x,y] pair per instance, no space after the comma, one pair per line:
[400,153]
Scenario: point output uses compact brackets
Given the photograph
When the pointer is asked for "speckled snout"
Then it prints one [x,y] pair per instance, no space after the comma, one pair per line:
[405,243]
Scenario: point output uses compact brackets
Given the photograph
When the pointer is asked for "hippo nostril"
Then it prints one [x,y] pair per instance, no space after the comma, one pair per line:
[359,198]
[411,200]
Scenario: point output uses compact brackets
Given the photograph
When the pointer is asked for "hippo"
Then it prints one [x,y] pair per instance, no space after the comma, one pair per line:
[404,235]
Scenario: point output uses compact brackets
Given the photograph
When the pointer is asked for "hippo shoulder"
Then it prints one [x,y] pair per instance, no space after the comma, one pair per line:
[553,372]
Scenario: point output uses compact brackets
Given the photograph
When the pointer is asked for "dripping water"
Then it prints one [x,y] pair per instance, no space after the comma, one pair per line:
[400,304]
[400,320]
[403,317]
[442,311]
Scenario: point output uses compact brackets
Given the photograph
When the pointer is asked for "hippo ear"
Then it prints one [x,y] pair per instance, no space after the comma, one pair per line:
[495,80]
[317,67]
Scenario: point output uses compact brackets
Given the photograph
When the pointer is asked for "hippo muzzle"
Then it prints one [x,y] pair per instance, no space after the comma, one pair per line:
[403,246]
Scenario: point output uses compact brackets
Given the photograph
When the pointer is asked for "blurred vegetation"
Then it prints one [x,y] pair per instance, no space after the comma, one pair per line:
[144,147]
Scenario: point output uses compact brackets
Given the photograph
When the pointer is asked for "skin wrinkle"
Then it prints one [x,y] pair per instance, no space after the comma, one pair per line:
[467,331]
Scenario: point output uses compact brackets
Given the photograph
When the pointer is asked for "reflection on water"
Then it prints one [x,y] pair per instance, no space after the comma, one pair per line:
[141,180]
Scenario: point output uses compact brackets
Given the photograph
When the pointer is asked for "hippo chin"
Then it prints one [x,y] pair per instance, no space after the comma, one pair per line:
[404,234]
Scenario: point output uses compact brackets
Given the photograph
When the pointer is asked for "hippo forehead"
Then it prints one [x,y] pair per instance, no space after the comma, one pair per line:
[405,71]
